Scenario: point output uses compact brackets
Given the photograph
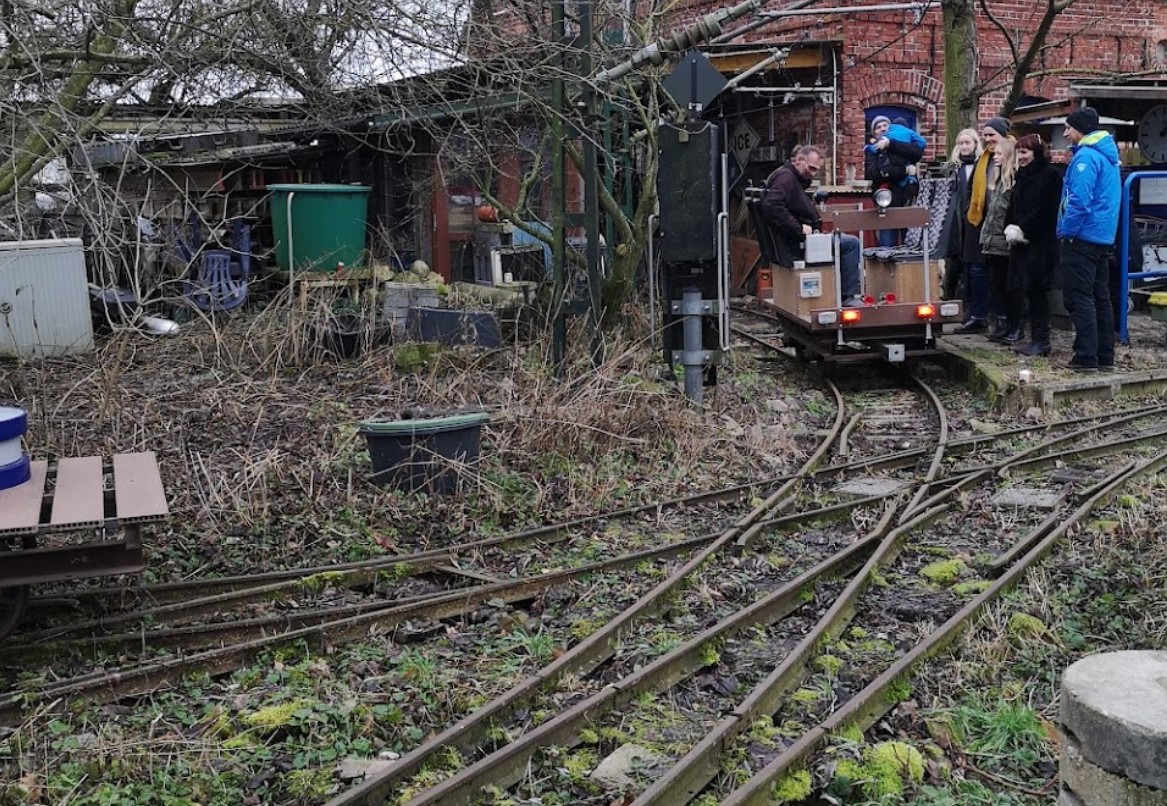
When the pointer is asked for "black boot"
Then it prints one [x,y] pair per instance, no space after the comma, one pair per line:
[1014,336]
[1035,349]
[1000,330]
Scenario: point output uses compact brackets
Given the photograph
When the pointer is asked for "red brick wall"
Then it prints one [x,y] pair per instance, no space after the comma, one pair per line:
[889,60]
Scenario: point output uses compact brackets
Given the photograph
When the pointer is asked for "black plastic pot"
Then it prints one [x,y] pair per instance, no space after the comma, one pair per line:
[347,335]
[424,454]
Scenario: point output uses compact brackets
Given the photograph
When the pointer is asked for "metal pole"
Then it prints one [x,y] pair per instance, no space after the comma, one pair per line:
[652,281]
[558,189]
[591,183]
[809,12]
[729,36]
[692,356]
[1124,252]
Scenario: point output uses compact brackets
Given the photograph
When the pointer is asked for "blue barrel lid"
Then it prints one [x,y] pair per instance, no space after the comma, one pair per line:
[423,425]
[13,423]
[319,188]
[15,473]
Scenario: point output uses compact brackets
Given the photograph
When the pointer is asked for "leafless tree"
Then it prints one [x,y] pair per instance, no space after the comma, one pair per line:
[505,147]
[1032,49]
[72,71]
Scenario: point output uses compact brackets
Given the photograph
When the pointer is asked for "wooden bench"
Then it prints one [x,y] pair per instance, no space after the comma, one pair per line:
[87,495]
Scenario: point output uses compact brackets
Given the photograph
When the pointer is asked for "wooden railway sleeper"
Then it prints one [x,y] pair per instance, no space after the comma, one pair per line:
[872,703]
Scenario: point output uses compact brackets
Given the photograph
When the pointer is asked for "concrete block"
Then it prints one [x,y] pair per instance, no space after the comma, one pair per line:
[870,486]
[1114,705]
[1086,784]
[1028,497]
[616,771]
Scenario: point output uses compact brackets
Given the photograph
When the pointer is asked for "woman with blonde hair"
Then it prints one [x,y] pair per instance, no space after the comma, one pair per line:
[995,245]
[960,244]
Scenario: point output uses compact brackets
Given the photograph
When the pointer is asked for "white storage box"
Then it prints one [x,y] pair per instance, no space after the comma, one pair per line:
[818,249]
[44,298]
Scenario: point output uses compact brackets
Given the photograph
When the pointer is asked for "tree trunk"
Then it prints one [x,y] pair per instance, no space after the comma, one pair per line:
[961,99]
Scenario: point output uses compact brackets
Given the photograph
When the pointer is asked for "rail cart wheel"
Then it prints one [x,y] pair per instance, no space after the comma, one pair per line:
[13,601]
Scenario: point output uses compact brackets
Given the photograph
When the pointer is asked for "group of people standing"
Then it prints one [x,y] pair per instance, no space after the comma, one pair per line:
[1016,229]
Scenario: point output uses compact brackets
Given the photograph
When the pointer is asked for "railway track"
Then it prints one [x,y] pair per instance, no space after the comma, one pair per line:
[688,605]
[596,716]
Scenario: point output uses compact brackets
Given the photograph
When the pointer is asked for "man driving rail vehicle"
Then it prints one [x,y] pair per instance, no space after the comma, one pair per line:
[792,216]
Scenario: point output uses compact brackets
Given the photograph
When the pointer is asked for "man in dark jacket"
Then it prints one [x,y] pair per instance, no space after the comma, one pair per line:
[791,215]
[1087,223]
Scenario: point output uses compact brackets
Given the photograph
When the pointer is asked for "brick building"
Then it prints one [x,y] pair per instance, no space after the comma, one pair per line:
[846,68]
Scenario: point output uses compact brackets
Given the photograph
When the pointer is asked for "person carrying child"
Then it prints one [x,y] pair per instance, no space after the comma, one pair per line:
[889,160]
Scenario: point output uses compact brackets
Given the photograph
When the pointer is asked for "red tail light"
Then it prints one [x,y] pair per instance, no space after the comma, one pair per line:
[888,299]
[850,316]
[925,311]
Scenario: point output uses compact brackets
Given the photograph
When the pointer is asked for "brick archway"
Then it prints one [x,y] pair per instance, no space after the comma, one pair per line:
[908,88]
[900,86]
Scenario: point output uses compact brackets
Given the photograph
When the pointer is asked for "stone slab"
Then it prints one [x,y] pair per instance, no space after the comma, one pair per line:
[1028,497]
[615,772]
[1086,784]
[1114,705]
[870,486]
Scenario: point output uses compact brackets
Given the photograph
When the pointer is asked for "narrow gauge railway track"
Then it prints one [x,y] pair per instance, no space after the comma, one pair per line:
[717,595]
[409,605]
[151,674]
[720,695]
[682,677]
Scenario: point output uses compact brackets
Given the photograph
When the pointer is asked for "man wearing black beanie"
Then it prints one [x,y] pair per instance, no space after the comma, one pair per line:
[1087,223]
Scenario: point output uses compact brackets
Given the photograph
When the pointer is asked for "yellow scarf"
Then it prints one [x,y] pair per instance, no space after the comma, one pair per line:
[980,184]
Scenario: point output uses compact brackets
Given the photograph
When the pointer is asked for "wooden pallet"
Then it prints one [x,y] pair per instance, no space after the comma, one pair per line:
[85,495]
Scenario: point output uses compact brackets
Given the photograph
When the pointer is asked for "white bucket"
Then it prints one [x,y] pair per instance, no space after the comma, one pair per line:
[13,424]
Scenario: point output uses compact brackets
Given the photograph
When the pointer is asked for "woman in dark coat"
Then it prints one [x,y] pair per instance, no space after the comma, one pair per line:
[960,242]
[1031,228]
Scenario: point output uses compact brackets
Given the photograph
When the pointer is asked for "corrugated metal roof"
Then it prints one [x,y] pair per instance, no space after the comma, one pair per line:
[221,155]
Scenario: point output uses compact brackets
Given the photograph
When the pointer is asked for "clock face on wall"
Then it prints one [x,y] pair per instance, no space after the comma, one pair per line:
[1153,134]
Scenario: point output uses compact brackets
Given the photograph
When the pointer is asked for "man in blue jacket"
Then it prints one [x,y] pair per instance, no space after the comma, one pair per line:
[1087,223]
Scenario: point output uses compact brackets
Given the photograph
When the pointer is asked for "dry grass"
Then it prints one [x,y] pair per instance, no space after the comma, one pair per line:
[256,433]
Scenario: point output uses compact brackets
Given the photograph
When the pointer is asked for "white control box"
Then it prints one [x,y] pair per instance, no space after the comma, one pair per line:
[818,248]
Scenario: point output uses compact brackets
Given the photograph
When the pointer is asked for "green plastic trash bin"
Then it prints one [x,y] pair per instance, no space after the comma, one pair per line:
[318,227]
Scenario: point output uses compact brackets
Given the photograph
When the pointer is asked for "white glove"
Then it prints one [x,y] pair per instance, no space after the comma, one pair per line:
[1014,235]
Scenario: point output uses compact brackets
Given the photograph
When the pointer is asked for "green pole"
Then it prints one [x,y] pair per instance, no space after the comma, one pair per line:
[558,189]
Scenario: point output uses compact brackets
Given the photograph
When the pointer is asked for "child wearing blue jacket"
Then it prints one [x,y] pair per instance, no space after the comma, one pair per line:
[890,159]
